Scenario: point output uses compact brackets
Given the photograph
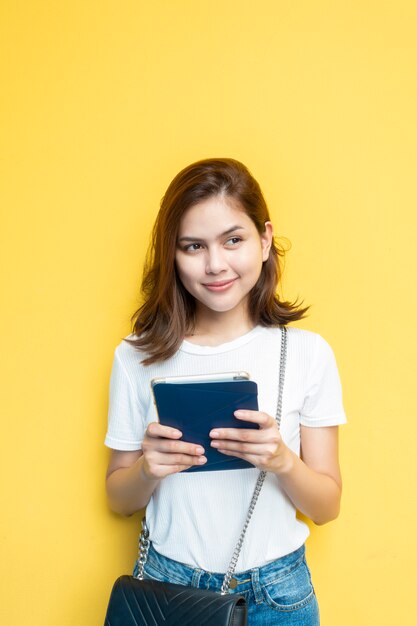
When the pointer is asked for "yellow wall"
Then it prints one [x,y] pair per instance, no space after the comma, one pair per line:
[103,102]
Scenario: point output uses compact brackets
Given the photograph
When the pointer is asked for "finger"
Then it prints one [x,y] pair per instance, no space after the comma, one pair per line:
[159,466]
[180,459]
[155,429]
[251,458]
[161,471]
[242,448]
[174,469]
[240,434]
[256,417]
[178,447]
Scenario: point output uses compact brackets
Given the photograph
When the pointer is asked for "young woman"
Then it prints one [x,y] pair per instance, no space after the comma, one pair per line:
[210,305]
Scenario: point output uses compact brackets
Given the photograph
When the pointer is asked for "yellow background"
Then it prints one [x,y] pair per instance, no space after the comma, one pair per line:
[103,102]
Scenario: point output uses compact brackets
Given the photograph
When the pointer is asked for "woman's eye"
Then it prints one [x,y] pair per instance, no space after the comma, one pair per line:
[192,247]
[233,241]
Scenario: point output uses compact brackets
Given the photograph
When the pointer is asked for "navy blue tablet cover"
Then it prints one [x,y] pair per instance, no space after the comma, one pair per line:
[196,408]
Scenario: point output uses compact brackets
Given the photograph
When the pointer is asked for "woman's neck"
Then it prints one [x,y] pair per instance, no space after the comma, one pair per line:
[215,330]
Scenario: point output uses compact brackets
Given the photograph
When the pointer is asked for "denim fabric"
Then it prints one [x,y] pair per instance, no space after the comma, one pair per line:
[278,593]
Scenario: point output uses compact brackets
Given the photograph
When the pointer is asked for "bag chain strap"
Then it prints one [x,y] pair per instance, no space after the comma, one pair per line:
[144,542]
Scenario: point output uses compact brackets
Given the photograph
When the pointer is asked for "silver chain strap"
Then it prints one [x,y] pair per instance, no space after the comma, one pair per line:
[144,542]
[144,545]
[261,478]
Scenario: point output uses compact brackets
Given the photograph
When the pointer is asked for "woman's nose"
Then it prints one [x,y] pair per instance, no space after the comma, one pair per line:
[215,262]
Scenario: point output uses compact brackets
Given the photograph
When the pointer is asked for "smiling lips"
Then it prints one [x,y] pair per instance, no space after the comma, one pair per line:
[220,285]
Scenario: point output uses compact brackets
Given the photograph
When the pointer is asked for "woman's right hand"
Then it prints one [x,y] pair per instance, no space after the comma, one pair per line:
[164,454]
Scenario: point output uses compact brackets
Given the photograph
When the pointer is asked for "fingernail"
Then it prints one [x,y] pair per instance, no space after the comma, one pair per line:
[199,450]
[202,460]
[215,444]
[214,433]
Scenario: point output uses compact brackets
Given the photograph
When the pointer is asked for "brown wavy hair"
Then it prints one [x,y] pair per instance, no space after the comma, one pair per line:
[167,314]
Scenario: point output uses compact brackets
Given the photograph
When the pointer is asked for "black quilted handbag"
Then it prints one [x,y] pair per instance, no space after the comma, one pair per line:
[138,602]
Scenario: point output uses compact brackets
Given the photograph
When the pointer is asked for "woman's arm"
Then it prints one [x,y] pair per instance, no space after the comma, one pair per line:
[312,482]
[128,489]
[132,477]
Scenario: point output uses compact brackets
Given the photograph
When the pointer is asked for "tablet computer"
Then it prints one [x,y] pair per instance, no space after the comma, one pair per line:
[197,404]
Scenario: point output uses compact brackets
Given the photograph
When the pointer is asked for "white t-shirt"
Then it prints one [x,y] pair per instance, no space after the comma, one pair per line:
[196,518]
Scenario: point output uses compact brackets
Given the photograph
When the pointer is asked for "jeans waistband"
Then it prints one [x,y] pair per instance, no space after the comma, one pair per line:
[196,577]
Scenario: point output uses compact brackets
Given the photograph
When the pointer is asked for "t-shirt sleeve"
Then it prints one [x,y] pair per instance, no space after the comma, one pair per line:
[323,404]
[125,421]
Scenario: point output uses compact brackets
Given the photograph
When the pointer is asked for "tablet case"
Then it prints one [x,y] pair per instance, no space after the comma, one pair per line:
[196,408]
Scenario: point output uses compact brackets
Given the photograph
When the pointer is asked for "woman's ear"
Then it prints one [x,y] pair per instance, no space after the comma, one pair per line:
[266,240]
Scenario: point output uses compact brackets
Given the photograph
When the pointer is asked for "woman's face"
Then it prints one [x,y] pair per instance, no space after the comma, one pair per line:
[220,253]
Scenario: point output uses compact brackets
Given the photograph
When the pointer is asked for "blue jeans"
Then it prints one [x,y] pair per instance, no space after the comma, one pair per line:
[280,592]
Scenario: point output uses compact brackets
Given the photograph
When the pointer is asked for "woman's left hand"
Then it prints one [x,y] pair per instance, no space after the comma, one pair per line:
[262,447]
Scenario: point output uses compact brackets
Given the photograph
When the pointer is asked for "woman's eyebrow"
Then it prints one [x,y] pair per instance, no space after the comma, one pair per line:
[226,232]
